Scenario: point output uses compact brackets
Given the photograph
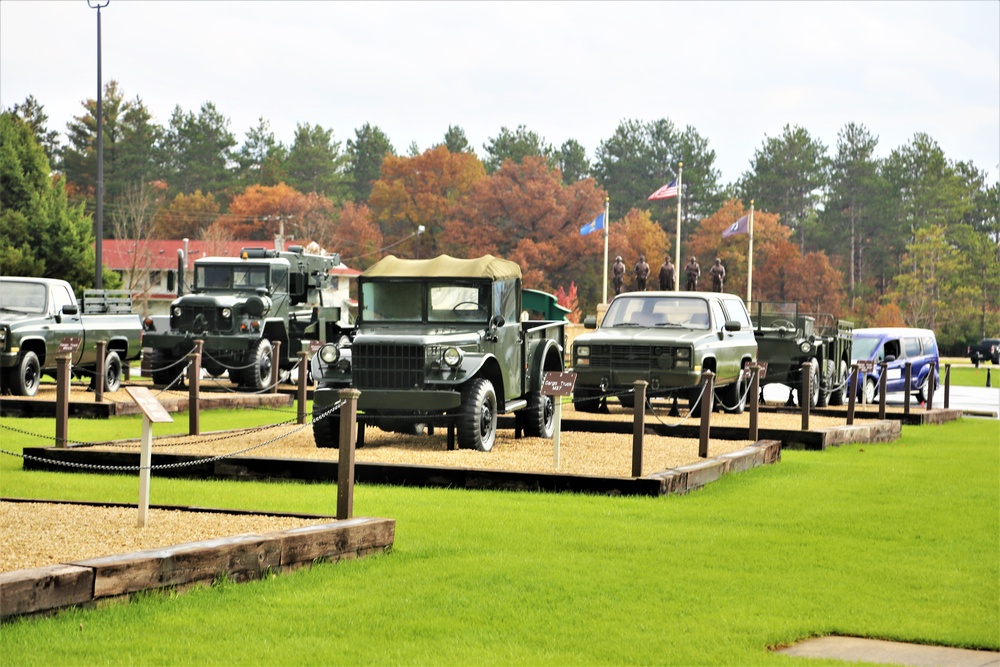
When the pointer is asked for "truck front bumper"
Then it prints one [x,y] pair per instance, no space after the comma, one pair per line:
[179,344]
[430,400]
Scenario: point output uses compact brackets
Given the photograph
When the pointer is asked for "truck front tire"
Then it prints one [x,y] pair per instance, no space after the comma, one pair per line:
[840,391]
[477,418]
[27,375]
[326,430]
[259,373]
[162,367]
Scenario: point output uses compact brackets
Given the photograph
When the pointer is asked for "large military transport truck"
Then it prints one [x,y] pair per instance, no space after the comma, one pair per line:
[239,307]
[666,339]
[439,341]
[787,338]
[36,314]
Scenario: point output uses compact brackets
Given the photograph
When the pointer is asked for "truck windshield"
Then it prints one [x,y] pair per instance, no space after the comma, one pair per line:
[405,302]
[640,311]
[22,297]
[225,277]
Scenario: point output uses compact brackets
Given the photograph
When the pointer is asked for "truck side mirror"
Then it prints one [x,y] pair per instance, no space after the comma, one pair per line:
[890,358]
[732,325]
[497,321]
[70,309]
[590,322]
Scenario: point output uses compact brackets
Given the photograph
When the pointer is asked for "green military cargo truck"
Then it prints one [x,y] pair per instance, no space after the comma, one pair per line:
[241,306]
[440,341]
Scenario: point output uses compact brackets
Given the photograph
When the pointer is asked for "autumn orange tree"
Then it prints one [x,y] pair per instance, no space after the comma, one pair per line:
[525,213]
[421,190]
[260,212]
[354,235]
[186,216]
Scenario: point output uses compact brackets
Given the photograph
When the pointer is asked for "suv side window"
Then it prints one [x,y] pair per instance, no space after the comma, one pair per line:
[720,318]
[912,347]
[737,311]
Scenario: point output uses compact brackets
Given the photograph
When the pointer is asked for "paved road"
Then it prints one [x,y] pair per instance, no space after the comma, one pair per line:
[976,401]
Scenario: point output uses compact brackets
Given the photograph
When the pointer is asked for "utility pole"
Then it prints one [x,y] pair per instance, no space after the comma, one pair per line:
[99,194]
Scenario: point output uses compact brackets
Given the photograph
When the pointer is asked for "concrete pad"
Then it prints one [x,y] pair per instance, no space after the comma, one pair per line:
[857,649]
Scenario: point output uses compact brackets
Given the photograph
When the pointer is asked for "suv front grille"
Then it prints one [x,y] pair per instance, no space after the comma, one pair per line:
[387,366]
[632,357]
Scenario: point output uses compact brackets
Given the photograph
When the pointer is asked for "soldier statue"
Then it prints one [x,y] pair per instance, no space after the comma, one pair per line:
[693,272]
[618,275]
[667,275]
[718,275]
[641,274]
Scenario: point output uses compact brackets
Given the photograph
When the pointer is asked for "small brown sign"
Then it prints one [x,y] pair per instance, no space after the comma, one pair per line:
[866,365]
[747,371]
[148,404]
[558,384]
[68,345]
[314,346]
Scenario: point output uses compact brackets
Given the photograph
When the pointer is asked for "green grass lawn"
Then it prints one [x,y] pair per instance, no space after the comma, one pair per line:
[896,540]
[973,377]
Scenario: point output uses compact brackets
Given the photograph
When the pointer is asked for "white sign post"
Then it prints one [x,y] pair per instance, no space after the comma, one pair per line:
[557,385]
[152,411]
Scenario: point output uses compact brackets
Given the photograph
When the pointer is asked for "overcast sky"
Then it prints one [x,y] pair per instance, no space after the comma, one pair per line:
[737,72]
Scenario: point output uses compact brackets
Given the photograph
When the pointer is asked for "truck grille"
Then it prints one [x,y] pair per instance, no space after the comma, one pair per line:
[387,366]
[198,319]
[632,357]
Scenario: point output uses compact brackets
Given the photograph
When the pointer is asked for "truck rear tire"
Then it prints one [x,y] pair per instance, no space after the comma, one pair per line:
[26,376]
[112,376]
[477,418]
[326,430]
[259,373]
[826,381]
[539,416]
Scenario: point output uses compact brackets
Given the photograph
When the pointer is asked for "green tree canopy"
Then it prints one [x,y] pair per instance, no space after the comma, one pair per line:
[366,152]
[315,163]
[33,113]
[43,235]
[200,151]
[516,146]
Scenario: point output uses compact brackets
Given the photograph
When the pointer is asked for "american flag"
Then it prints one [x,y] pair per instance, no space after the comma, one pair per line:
[666,192]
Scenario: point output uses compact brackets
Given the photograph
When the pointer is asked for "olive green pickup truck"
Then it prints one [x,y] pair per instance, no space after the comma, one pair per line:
[36,314]
[666,339]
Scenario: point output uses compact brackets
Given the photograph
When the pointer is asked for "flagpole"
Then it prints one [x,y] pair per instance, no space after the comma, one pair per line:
[677,250]
[750,259]
[607,221]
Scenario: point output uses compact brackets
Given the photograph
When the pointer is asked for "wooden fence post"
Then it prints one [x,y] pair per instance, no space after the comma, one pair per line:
[930,385]
[303,377]
[882,379]
[62,399]
[805,397]
[852,388]
[275,365]
[638,426]
[707,403]
[947,386]
[194,389]
[102,351]
[754,403]
[907,379]
[345,461]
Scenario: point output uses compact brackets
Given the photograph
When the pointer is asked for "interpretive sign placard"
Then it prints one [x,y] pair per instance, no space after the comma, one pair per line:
[558,384]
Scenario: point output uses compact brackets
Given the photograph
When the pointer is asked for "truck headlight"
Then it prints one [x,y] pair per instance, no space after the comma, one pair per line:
[683,353]
[452,357]
[805,347]
[583,351]
[329,354]
[227,313]
[176,311]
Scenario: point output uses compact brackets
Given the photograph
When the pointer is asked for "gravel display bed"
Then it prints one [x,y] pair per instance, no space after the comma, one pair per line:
[37,534]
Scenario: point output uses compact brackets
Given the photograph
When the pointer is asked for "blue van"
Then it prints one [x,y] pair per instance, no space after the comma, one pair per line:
[897,346]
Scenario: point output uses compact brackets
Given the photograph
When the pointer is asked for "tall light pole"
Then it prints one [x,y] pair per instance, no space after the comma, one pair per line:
[99,214]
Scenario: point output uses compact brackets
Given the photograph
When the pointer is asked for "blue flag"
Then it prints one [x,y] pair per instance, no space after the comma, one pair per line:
[593,225]
[741,226]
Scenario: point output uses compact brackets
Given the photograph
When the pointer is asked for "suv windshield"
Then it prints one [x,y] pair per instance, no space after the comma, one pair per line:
[863,348]
[640,311]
